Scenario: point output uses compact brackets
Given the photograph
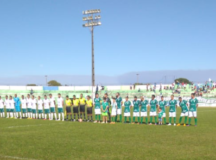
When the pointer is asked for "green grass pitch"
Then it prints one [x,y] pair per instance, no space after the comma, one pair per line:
[57,140]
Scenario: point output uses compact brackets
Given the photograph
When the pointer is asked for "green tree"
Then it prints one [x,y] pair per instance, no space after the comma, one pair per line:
[54,83]
[31,85]
[183,80]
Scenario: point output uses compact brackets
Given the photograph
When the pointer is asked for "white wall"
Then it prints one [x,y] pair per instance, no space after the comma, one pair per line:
[35,88]
[4,87]
[112,88]
[66,88]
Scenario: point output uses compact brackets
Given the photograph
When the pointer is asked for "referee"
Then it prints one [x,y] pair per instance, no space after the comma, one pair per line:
[68,107]
[109,102]
[82,103]
[75,107]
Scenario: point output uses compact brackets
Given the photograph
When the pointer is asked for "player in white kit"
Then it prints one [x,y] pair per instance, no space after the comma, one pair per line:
[33,107]
[40,108]
[23,106]
[60,103]
[29,109]
[6,103]
[46,104]
[2,114]
[12,106]
[52,107]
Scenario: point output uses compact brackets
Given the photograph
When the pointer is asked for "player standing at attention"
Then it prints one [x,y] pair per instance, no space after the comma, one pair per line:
[68,103]
[193,103]
[127,105]
[17,107]
[29,109]
[7,105]
[60,103]
[162,105]
[184,111]
[75,108]
[11,104]
[82,102]
[153,107]
[136,109]
[23,105]
[104,109]
[114,110]
[33,107]
[109,102]
[40,107]
[89,108]
[52,107]
[172,110]
[46,104]
[97,106]
[119,104]
[2,114]
[143,104]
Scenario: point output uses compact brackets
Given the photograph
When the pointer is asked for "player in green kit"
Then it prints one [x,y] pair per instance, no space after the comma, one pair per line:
[153,107]
[193,104]
[172,110]
[97,106]
[136,109]
[127,105]
[143,113]
[104,109]
[184,111]
[119,107]
[162,105]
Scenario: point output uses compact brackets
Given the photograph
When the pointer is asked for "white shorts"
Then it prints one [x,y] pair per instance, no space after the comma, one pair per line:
[152,114]
[113,113]
[172,114]
[184,114]
[119,111]
[143,114]
[97,111]
[135,114]
[192,114]
[164,115]
[127,114]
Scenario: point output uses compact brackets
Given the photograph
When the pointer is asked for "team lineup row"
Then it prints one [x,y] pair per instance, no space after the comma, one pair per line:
[33,108]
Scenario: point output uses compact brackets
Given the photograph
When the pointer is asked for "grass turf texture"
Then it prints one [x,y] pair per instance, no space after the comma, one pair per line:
[53,140]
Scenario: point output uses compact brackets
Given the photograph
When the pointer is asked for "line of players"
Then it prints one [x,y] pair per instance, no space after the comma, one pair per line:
[46,108]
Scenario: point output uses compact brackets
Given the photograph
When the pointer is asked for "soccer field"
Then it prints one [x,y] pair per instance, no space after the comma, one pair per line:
[57,140]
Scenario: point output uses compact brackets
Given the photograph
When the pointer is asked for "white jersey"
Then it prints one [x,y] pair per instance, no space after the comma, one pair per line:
[6,103]
[28,102]
[40,104]
[23,102]
[46,103]
[52,100]
[59,101]
[1,104]
[11,103]
[33,103]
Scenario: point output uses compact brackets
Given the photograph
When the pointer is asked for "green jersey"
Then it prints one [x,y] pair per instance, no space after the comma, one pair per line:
[136,105]
[153,105]
[127,105]
[193,104]
[144,105]
[105,105]
[172,104]
[160,114]
[183,105]
[97,102]
[118,101]
[162,105]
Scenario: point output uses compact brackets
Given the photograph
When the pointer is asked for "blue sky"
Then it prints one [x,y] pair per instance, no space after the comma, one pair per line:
[46,37]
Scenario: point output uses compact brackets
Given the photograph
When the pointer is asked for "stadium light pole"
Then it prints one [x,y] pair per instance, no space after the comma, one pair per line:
[92,20]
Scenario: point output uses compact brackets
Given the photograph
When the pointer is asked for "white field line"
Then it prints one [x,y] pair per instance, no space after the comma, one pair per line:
[32,125]
[12,157]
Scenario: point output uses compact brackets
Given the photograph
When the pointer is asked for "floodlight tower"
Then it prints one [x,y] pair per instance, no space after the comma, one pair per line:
[93,19]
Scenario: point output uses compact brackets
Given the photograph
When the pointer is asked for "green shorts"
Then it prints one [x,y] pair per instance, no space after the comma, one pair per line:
[1,110]
[60,110]
[34,111]
[8,110]
[52,109]
[40,111]
[104,114]
[11,110]
[29,110]
[24,110]
[46,111]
